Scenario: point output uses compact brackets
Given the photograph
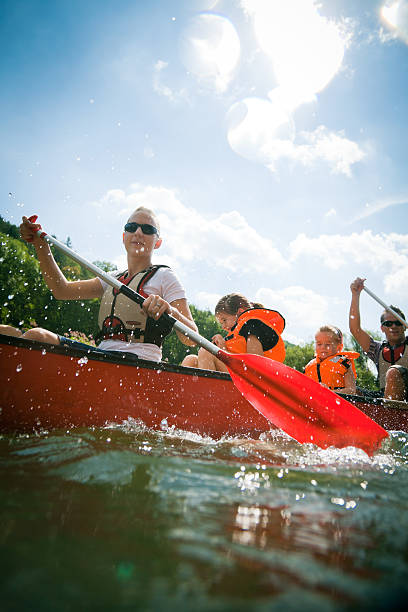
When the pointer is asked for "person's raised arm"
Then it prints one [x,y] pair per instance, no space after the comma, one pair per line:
[359,334]
[61,288]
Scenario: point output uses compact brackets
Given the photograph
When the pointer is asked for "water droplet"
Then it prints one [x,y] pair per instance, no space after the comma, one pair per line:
[83,361]
[19,368]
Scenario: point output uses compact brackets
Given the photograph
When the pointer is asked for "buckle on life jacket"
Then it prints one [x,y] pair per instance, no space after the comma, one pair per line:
[114,329]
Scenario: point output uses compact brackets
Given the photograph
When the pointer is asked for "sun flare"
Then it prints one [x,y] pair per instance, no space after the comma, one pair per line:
[305,48]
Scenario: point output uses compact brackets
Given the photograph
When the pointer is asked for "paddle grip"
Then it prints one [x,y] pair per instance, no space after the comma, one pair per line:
[136,297]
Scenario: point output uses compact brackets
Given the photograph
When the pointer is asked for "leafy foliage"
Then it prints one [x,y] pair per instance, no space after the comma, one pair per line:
[24,296]
[298,356]
[22,290]
[106,266]
[174,351]
[365,377]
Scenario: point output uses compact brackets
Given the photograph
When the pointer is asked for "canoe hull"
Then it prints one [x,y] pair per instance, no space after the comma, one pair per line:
[43,387]
[55,387]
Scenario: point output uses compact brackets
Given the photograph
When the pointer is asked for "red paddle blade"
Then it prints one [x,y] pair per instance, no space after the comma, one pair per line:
[303,408]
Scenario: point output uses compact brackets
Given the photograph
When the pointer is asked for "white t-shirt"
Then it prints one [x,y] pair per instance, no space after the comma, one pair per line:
[164,283]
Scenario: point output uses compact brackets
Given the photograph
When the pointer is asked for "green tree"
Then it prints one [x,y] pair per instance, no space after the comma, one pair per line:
[8,228]
[23,295]
[298,356]
[365,377]
[106,266]
[174,351]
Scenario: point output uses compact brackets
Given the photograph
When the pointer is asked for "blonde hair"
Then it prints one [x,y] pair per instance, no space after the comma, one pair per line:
[334,331]
[148,211]
[231,303]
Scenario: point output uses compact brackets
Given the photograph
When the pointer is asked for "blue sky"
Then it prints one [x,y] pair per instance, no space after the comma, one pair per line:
[269,135]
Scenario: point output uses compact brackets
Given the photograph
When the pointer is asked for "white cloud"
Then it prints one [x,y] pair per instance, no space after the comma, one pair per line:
[303,309]
[263,131]
[164,90]
[374,207]
[206,300]
[305,48]
[395,16]
[330,213]
[365,252]
[333,148]
[210,50]
[396,283]
[226,241]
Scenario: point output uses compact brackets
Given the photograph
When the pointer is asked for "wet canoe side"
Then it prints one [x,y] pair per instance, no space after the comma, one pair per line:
[52,387]
[47,387]
[392,415]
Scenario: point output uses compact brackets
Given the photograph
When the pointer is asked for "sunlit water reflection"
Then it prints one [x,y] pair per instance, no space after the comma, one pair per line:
[126,518]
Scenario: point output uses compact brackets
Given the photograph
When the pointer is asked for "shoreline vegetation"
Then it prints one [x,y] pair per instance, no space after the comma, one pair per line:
[25,301]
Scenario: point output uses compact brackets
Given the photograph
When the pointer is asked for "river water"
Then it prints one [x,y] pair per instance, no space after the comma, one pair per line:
[125,518]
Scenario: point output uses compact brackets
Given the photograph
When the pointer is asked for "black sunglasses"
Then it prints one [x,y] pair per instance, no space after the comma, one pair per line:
[391,323]
[145,227]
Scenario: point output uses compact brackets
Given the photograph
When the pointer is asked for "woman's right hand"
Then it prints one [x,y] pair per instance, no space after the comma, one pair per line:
[357,285]
[27,229]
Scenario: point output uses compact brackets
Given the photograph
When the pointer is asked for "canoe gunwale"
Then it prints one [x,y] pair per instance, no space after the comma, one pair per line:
[121,358]
[128,359]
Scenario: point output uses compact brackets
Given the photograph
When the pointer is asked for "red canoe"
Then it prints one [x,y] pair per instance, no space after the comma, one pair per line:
[53,387]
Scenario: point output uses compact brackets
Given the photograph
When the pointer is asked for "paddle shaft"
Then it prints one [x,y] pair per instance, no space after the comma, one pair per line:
[389,308]
[130,293]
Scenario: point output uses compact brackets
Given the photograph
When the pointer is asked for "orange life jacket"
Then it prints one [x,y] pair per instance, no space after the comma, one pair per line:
[235,343]
[332,370]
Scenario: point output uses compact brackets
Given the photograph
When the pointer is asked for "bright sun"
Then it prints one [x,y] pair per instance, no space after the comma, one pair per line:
[306,49]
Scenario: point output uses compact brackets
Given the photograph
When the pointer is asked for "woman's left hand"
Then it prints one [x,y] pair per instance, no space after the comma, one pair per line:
[154,306]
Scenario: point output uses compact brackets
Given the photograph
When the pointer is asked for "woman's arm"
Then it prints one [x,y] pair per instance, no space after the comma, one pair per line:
[61,288]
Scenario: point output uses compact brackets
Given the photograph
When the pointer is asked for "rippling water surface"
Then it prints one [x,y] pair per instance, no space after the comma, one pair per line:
[125,518]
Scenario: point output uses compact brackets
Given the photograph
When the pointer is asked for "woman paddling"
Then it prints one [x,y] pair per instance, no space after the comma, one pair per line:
[124,325]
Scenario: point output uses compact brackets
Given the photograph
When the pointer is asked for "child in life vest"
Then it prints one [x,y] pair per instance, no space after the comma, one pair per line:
[332,367]
[251,328]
